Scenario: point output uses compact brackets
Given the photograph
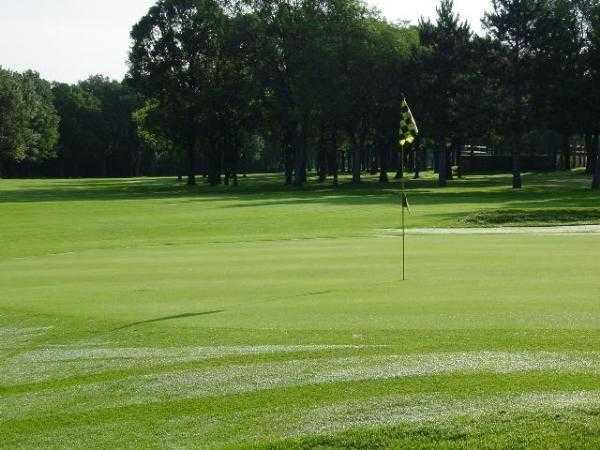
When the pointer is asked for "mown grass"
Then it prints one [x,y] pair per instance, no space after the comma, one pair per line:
[570,430]
[60,216]
[111,289]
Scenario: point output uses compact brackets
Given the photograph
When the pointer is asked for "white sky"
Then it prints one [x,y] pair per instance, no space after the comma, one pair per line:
[68,40]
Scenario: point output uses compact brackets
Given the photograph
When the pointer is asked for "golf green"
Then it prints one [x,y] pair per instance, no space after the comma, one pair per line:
[142,313]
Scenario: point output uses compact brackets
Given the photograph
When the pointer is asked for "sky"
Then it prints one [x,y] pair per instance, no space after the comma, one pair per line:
[68,40]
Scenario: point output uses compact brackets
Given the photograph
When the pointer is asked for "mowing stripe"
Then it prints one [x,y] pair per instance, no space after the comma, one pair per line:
[13,337]
[394,410]
[239,378]
[66,361]
[572,229]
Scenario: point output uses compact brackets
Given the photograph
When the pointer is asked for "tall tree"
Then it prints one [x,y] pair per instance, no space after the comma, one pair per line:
[558,71]
[591,98]
[176,58]
[513,24]
[448,59]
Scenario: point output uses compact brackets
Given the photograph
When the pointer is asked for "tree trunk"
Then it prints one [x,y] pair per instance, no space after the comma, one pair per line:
[458,151]
[191,164]
[356,158]
[138,163]
[214,170]
[517,84]
[399,164]
[333,156]
[288,158]
[360,154]
[443,165]
[231,157]
[180,166]
[300,160]
[554,156]
[449,161]
[596,165]
[384,159]
[516,167]
[590,155]
[322,158]
[417,158]
[596,178]
[356,166]
[103,166]
[517,182]
[565,152]
[288,153]
[214,162]
[349,161]
[235,161]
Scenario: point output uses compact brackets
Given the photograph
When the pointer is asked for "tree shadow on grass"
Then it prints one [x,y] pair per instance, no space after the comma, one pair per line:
[254,187]
[552,189]
[533,197]
[163,319]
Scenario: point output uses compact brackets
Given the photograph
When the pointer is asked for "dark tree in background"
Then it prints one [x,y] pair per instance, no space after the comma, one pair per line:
[182,56]
[97,134]
[153,128]
[513,23]
[558,72]
[447,60]
[592,94]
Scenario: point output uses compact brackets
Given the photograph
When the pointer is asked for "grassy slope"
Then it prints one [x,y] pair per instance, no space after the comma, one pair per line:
[109,288]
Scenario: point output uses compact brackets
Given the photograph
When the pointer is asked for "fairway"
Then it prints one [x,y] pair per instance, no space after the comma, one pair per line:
[138,310]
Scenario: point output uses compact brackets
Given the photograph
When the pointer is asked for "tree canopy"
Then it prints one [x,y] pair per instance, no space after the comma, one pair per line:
[222,87]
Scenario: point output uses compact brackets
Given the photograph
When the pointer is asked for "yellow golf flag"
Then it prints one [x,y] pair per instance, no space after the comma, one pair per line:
[408,127]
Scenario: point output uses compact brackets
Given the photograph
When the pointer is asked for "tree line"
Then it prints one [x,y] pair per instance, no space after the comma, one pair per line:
[223,87]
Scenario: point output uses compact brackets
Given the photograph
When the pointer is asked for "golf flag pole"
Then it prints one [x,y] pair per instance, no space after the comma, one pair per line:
[408,134]
[404,202]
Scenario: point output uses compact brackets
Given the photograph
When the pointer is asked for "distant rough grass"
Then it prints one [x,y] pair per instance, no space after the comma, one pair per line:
[534,217]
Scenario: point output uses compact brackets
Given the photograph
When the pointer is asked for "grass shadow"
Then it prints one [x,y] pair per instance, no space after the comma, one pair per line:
[163,319]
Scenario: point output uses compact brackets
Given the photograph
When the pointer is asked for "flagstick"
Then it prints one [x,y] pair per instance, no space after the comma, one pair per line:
[408,131]
[403,224]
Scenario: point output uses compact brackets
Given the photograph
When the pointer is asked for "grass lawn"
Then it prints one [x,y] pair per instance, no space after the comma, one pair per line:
[142,313]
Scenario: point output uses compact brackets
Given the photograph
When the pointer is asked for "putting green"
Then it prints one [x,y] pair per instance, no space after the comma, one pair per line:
[138,313]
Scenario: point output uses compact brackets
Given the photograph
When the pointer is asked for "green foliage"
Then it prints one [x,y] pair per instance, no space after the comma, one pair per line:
[28,119]
[97,128]
[13,120]
[148,127]
[42,133]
